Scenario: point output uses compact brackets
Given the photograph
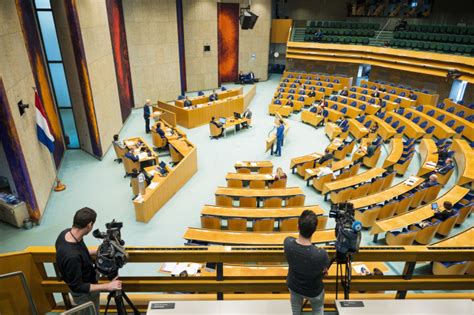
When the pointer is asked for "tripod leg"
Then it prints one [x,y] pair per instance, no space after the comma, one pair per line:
[109,297]
[130,303]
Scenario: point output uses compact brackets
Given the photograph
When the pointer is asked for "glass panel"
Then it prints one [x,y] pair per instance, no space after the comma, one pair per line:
[60,84]
[43,4]
[69,127]
[50,39]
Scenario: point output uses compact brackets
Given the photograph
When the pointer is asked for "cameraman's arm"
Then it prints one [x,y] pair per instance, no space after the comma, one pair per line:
[113,285]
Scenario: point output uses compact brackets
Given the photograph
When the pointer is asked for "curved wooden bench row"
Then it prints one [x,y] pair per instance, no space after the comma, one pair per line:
[454,195]
[396,151]
[422,98]
[286,95]
[464,157]
[246,197]
[252,238]
[385,96]
[345,81]
[468,130]
[316,83]
[411,130]
[239,180]
[263,167]
[440,131]
[435,64]
[370,109]
[429,156]
[386,131]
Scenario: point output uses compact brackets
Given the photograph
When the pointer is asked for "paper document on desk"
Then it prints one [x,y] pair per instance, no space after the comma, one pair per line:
[431,164]
[129,143]
[153,185]
[191,269]
[142,155]
[239,163]
[361,269]
[410,181]
[315,155]
[309,171]
[168,267]
[253,164]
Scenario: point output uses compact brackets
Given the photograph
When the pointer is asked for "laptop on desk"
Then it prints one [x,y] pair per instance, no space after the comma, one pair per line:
[222,120]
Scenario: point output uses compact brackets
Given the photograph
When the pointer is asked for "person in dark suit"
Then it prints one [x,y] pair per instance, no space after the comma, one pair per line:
[147,114]
[289,102]
[213,96]
[159,130]
[432,181]
[344,92]
[376,93]
[131,156]
[246,114]
[446,213]
[241,77]
[449,165]
[311,93]
[443,155]
[280,134]
[187,102]
[326,157]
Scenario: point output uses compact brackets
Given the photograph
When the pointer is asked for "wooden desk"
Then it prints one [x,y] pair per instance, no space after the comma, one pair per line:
[267,178]
[135,144]
[255,166]
[259,193]
[282,110]
[464,238]
[335,143]
[352,181]
[389,105]
[403,220]
[179,149]
[357,129]
[429,156]
[202,114]
[259,213]
[284,96]
[387,194]
[464,157]
[334,115]
[396,151]
[412,130]
[252,238]
[297,105]
[304,159]
[385,130]
[441,131]
[205,98]
[468,131]
[163,188]
[404,101]
[232,122]
[312,82]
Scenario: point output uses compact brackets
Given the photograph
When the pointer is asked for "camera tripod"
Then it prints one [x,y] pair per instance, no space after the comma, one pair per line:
[343,263]
[118,297]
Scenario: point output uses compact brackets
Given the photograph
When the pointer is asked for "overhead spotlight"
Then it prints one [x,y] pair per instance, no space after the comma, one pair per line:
[247,18]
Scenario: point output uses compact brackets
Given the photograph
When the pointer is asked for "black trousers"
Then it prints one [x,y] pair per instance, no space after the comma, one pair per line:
[147,125]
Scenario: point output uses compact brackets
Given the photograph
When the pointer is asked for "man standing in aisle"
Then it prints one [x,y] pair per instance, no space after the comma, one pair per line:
[75,262]
[279,137]
[307,265]
[146,115]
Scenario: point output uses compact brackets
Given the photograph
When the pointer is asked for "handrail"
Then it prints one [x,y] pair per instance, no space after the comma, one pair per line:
[220,284]
[383,28]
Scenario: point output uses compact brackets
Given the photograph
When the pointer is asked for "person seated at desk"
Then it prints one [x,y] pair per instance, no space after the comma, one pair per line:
[432,181]
[280,174]
[318,35]
[117,142]
[160,131]
[325,170]
[374,128]
[344,92]
[401,26]
[376,93]
[448,165]
[278,100]
[326,157]
[382,89]
[312,93]
[314,109]
[213,97]
[218,125]
[246,114]
[443,155]
[289,102]
[412,96]
[187,102]
[241,77]
[132,156]
[446,213]
[279,95]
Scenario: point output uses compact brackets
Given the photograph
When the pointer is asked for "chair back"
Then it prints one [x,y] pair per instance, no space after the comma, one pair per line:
[289,225]
[248,202]
[119,152]
[295,201]
[243,170]
[272,202]
[224,201]
[367,217]
[388,181]
[318,183]
[235,183]
[406,238]
[425,235]
[375,186]
[418,198]
[431,193]
[322,221]
[257,184]
[265,170]
[237,224]
[280,183]
[459,268]
[387,210]
[215,131]
[447,225]
[210,222]
[463,213]
[404,204]
[341,195]
[263,225]
[360,191]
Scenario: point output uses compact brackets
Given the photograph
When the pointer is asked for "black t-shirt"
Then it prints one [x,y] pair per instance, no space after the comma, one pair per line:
[75,264]
[306,267]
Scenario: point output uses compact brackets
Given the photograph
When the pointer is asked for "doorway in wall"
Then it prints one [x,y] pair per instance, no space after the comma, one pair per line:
[52,53]
[7,185]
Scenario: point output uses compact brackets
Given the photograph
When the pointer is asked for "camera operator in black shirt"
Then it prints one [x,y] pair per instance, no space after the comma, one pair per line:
[75,262]
[307,265]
